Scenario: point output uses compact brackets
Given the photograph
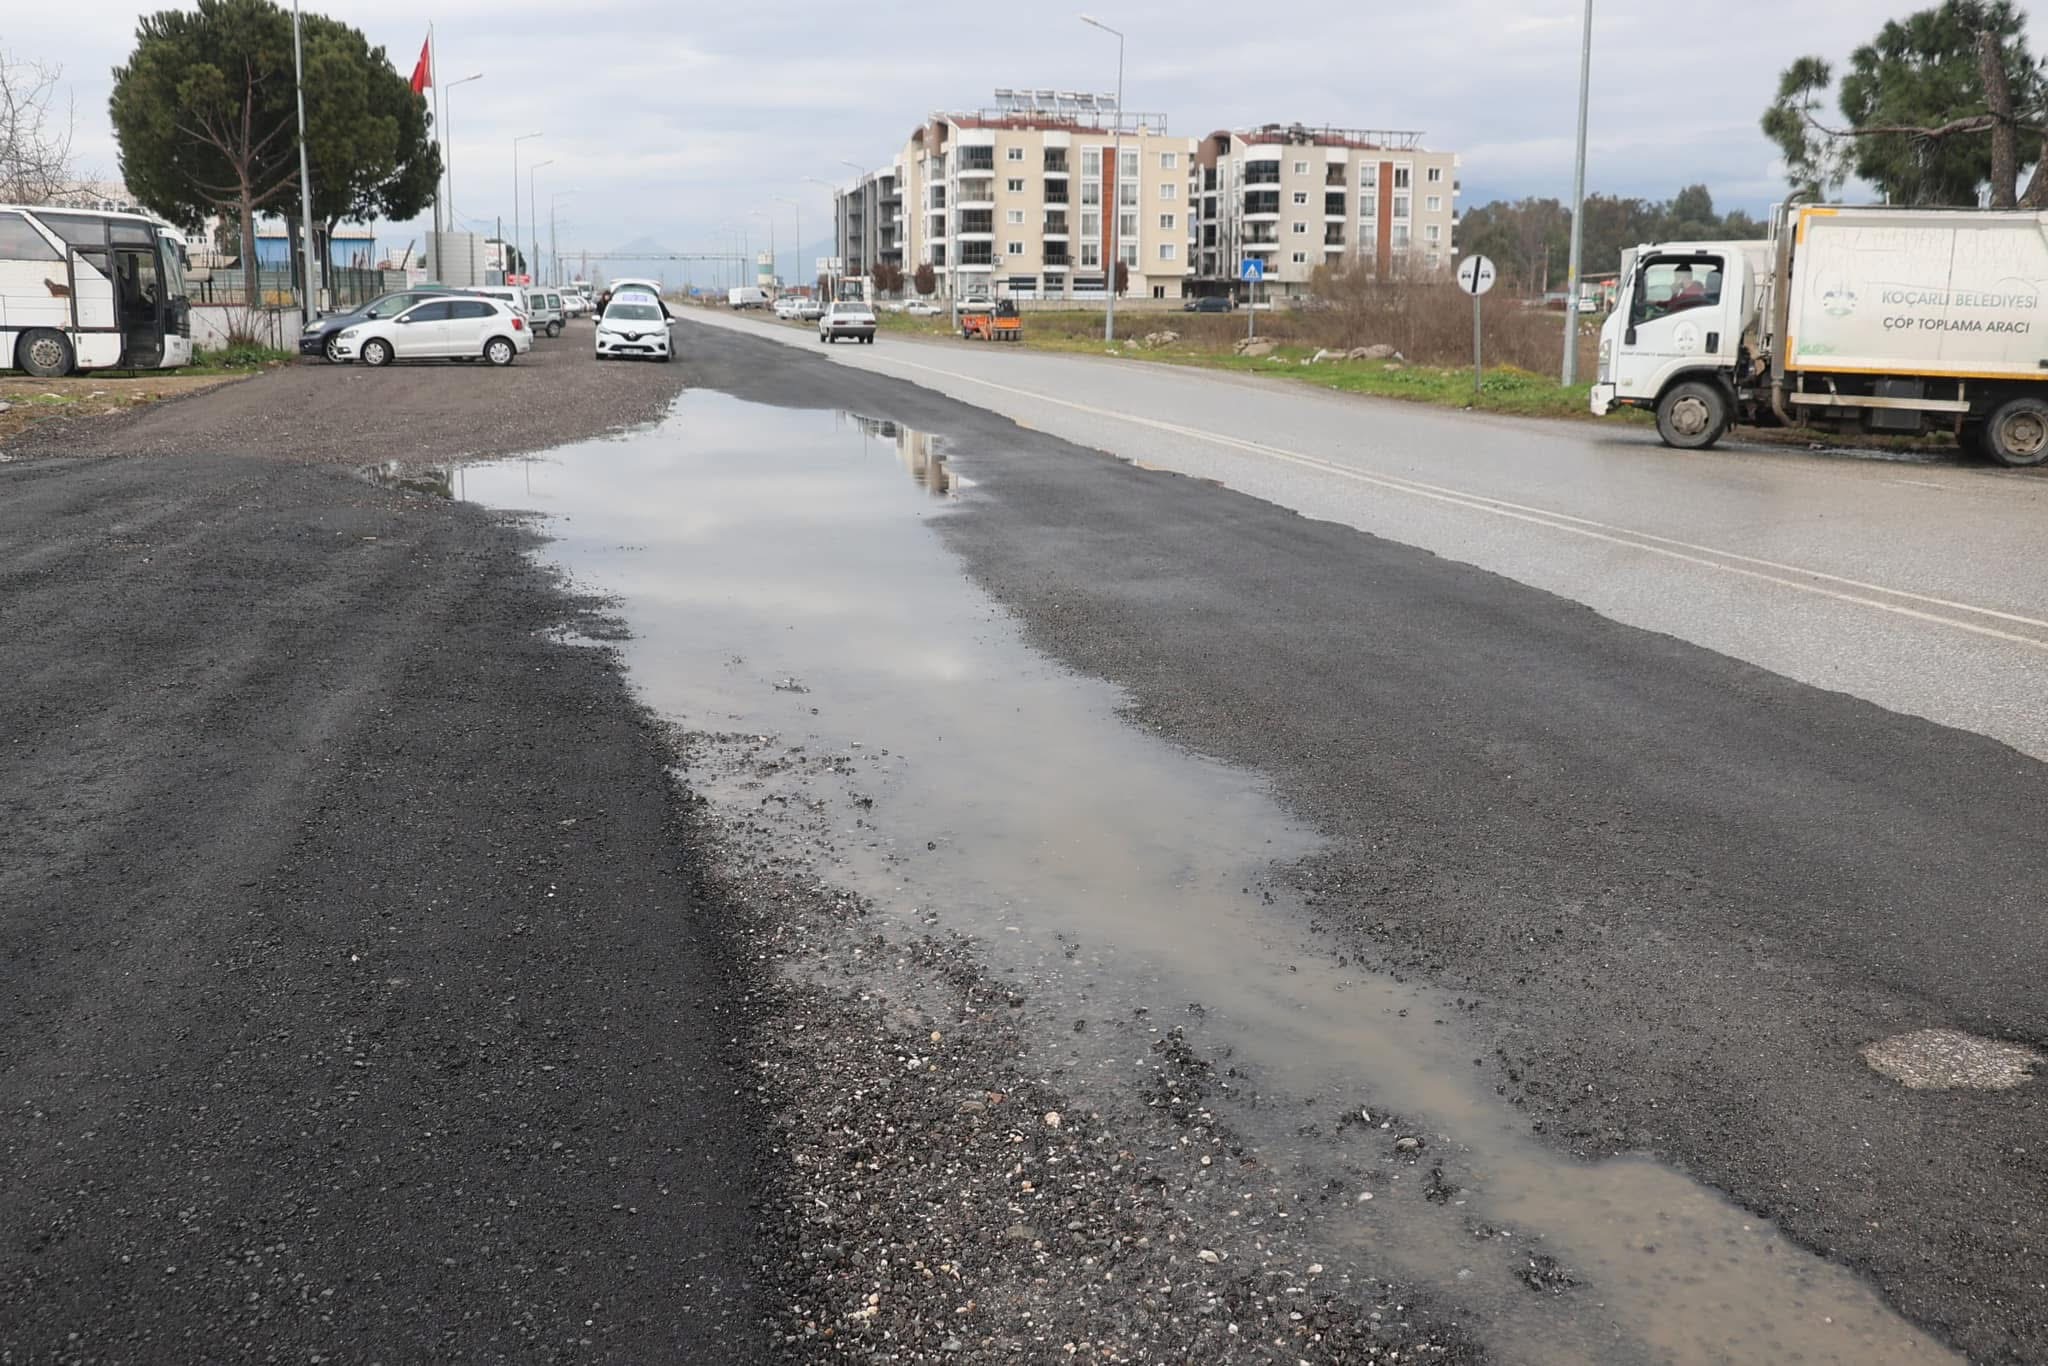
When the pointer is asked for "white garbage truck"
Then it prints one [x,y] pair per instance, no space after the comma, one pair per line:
[1845,319]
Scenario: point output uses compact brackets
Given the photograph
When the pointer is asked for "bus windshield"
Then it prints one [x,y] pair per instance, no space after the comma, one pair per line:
[173,253]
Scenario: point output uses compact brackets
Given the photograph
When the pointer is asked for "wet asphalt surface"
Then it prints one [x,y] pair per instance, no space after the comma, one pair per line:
[378,997]
[1685,890]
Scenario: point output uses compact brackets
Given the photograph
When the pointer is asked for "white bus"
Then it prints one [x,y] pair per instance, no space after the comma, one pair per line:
[83,290]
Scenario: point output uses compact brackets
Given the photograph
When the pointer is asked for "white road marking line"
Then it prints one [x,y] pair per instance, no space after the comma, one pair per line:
[1920,484]
[1586,527]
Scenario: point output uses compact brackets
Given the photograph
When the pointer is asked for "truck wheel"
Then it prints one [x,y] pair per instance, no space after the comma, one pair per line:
[1692,416]
[43,353]
[2017,433]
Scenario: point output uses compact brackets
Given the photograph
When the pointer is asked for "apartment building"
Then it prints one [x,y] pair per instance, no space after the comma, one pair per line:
[1031,197]
[1297,198]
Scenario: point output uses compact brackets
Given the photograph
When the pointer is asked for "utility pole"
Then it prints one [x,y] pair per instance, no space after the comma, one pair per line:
[305,178]
[1116,182]
[1571,288]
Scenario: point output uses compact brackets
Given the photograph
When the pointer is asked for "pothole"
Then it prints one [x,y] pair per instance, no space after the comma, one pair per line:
[1949,1060]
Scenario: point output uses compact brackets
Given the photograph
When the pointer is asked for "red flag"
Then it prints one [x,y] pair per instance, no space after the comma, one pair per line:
[423,74]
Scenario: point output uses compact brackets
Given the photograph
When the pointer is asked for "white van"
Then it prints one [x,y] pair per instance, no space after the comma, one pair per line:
[513,295]
[746,296]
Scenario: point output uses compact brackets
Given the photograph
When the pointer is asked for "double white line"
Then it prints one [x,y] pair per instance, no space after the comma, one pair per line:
[1960,616]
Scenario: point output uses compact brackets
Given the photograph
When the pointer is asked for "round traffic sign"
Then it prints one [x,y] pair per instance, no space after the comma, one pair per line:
[1475,274]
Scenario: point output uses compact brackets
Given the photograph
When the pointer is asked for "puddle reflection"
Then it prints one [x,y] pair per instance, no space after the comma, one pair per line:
[781,588]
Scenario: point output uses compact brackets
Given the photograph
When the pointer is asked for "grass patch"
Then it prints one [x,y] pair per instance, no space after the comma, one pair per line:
[237,358]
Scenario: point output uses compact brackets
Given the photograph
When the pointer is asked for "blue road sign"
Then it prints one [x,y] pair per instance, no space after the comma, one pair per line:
[1252,269]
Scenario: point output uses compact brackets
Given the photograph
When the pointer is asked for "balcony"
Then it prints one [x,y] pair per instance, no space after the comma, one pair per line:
[977,161]
[1055,225]
[1333,206]
[1056,192]
[1262,173]
[1334,238]
[976,223]
[1264,204]
[1336,173]
[1055,162]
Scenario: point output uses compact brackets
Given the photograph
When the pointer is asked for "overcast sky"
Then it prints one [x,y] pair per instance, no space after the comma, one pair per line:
[680,121]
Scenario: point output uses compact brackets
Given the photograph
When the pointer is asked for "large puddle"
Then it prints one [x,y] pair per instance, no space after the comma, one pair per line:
[783,597]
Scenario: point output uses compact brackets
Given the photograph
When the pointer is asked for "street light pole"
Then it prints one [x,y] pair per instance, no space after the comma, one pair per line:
[554,249]
[507,256]
[533,266]
[1116,181]
[1571,284]
[448,145]
[797,211]
[305,178]
[811,179]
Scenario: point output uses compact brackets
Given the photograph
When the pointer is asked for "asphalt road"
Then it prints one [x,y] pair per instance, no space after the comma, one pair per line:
[1913,586]
[1688,889]
[359,1005]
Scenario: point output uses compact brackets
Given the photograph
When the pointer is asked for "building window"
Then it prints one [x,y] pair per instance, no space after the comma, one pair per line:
[1014,154]
[1301,196]
[1435,203]
[1091,161]
[1301,258]
[1369,176]
[1169,191]
[1400,206]
[1433,232]
[1401,175]
[1015,217]
[1400,237]
[1128,254]
[1091,253]
[1169,161]
[1435,175]
[1015,248]
[1127,194]
[1301,168]
[1128,165]
[1369,205]
[1168,251]
[1166,222]
[1369,235]
[1127,225]
[1091,192]
[1014,185]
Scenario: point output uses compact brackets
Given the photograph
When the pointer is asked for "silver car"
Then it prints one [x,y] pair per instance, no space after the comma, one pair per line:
[847,318]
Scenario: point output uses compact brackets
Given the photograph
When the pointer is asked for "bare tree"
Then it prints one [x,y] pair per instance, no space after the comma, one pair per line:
[35,143]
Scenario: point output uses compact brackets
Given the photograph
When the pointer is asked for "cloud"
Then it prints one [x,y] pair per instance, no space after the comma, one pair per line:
[681,121]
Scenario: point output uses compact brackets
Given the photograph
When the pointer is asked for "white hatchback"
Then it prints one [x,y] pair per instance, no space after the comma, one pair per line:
[459,327]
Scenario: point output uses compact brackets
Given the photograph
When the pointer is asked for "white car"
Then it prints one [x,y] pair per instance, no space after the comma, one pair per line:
[789,306]
[920,308]
[634,325]
[459,327]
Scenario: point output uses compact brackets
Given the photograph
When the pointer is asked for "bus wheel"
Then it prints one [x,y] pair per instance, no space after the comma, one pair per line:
[43,353]
[1692,416]
[2017,433]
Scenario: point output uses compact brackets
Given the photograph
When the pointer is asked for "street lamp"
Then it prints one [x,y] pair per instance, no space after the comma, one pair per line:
[555,197]
[1571,282]
[1116,236]
[515,195]
[305,182]
[835,221]
[797,212]
[448,147]
[533,266]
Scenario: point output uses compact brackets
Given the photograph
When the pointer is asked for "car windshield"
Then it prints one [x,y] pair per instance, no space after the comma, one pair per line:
[632,312]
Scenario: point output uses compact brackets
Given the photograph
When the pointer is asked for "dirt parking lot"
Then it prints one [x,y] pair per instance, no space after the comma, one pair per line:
[430,410]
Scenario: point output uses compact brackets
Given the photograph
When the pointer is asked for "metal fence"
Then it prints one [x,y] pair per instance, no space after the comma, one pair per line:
[345,287]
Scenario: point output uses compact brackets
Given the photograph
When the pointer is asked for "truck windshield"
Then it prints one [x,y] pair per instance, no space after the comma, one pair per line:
[1672,284]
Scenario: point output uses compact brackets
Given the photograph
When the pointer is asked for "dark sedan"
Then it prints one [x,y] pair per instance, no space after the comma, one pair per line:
[1208,303]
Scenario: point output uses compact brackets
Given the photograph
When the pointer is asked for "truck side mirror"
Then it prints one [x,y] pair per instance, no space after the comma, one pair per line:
[1628,338]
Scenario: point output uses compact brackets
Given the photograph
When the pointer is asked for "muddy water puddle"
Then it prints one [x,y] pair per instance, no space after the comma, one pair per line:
[847,685]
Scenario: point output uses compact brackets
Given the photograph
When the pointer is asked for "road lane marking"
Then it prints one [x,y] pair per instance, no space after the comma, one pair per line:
[1688,552]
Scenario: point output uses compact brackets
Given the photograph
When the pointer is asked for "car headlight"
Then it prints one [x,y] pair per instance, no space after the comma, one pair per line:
[350,332]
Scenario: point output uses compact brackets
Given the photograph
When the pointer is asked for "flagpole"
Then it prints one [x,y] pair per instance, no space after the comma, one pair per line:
[434,79]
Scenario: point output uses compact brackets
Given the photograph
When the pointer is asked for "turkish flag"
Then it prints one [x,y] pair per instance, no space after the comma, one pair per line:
[423,74]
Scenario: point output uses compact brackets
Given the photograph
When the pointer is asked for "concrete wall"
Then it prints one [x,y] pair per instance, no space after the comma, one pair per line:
[211,324]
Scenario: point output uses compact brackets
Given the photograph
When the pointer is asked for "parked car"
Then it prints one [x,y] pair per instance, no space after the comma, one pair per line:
[789,306]
[631,284]
[545,312]
[575,303]
[461,327]
[1208,303]
[922,308]
[634,324]
[513,296]
[810,310]
[319,338]
[847,318]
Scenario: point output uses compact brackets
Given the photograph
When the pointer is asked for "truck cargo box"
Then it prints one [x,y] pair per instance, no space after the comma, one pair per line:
[1948,293]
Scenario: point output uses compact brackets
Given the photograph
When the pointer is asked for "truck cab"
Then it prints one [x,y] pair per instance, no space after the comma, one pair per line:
[1684,338]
